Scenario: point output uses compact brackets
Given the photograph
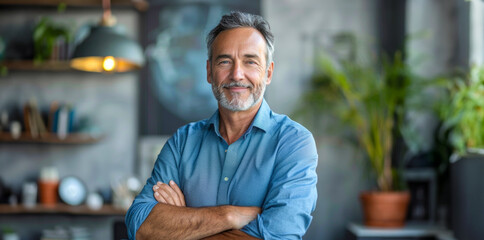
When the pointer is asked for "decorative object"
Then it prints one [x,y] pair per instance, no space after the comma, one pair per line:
[94,201]
[174,52]
[29,194]
[72,191]
[15,129]
[48,185]
[106,49]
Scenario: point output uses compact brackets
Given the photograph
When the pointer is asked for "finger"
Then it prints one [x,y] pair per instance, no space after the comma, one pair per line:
[166,195]
[172,194]
[159,198]
[178,191]
[157,195]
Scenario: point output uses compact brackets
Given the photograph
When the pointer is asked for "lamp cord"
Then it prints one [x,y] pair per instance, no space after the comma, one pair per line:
[106,9]
[107,19]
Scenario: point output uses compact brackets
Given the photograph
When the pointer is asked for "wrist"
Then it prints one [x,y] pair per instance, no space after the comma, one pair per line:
[229,216]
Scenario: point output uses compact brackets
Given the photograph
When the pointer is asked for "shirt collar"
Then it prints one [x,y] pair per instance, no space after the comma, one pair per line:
[214,121]
[260,121]
[262,118]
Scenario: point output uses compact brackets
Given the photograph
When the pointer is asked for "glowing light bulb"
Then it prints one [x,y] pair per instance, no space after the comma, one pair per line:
[109,63]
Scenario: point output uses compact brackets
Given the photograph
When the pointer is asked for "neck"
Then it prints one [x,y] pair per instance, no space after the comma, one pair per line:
[234,124]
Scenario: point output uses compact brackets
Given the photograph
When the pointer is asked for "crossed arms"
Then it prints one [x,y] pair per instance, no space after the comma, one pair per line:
[181,222]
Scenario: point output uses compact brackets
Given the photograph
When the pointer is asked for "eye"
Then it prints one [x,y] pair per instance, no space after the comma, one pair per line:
[224,62]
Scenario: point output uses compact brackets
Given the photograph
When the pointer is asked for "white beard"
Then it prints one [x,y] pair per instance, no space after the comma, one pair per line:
[237,103]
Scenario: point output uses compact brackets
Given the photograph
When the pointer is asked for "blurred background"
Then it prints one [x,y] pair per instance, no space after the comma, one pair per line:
[104,129]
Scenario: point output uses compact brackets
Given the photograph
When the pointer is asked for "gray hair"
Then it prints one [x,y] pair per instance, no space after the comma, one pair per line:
[239,19]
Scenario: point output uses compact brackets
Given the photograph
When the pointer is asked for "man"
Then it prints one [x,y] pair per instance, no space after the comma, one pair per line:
[244,173]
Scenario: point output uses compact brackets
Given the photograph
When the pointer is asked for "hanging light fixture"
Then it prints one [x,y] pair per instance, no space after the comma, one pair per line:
[106,49]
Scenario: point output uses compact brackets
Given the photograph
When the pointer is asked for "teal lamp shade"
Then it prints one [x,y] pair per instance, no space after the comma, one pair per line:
[106,49]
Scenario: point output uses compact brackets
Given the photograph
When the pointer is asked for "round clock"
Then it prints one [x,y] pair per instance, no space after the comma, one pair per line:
[72,191]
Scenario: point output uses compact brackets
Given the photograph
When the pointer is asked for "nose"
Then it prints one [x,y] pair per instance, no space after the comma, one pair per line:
[237,71]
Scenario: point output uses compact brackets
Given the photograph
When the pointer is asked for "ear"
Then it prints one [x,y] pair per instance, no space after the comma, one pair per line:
[270,70]
[209,72]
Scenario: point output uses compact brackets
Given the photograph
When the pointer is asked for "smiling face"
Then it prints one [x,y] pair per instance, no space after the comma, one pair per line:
[237,70]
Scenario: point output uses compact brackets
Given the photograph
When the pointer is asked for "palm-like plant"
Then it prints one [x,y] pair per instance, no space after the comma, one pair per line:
[371,98]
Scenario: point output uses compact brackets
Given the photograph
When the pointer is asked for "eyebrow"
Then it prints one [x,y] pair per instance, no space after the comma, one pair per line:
[230,57]
[251,56]
[223,56]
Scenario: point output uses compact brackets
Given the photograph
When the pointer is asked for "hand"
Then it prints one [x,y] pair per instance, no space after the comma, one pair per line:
[241,216]
[169,194]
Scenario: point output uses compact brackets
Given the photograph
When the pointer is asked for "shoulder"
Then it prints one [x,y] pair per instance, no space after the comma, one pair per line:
[292,137]
[284,125]
[186,135]
[193,128]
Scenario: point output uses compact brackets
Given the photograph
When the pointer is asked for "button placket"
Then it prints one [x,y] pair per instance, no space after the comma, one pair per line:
[227,173]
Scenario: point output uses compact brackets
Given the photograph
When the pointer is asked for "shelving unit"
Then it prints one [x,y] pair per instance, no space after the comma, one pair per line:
[50,138]
[106,210]
[140,5]
[30,222]
[29,65]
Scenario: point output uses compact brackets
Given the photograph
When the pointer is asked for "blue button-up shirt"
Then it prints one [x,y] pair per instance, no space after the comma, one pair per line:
[272,166]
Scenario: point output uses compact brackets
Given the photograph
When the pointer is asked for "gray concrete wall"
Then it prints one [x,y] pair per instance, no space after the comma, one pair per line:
[109,100]
[432,51]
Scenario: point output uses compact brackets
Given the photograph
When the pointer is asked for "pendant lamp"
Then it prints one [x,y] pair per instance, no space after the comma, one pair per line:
[106,48]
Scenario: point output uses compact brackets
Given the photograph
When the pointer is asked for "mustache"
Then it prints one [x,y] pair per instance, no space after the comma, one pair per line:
[236,84]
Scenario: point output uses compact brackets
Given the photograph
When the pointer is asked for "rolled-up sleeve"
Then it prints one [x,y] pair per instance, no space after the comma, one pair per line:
[164,171]
[292,194]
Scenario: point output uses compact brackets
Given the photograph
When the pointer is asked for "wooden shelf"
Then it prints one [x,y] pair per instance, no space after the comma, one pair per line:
[141,5]
[50,138]
[106,210]
[28,65]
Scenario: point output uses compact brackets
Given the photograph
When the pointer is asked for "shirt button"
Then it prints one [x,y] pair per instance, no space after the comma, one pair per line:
[225,150]
[226,179]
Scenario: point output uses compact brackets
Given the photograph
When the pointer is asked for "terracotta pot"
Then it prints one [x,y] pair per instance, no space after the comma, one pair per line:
[385,209]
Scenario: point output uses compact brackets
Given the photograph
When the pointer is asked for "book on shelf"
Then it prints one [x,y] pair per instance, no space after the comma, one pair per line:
[59,120]
[33,122]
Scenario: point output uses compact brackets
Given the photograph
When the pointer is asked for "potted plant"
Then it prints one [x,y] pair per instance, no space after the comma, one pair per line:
[463,123]
[371,99]
[48,35]
[463,114]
